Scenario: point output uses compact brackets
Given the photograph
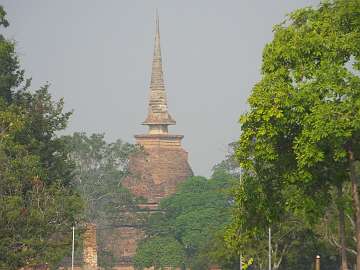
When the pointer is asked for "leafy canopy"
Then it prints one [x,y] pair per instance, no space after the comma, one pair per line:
[99,169]
[192,221]
[303,119]
[37,203]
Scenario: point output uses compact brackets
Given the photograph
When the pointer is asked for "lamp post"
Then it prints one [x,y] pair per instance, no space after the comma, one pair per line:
[73,248]
[240,262]
[269,248]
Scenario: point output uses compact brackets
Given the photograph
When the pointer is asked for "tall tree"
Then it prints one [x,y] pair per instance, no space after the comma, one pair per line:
[37,204]
[99,169]
[300,137]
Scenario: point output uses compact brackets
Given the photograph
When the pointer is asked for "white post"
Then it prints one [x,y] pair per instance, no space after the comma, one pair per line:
[317,262]
[240,262]
[73,248]
[269,248]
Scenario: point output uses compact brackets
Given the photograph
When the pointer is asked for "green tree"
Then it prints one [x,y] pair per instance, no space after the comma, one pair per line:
[194,218]
[329,227]
[11,75]
[36,212]
[37,204]
[248,233]
[300,137]
[99,169]
[161,252]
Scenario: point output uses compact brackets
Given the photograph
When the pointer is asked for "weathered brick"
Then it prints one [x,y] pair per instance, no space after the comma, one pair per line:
[90,247]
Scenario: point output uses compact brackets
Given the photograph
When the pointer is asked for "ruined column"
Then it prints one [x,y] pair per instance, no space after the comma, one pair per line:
[90,248]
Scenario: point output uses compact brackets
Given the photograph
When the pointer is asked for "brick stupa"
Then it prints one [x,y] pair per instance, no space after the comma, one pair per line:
[155,173]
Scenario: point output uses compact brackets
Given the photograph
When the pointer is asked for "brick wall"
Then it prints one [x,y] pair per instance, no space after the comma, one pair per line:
[156,173]
[90,247]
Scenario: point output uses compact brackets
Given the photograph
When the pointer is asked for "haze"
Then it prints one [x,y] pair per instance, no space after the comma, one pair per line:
[97,55]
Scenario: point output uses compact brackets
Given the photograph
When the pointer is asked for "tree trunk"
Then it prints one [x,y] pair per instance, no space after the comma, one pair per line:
[356,202]
[344,263]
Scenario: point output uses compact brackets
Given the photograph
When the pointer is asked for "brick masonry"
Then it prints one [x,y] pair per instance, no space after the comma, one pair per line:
[90,247]
[155,172]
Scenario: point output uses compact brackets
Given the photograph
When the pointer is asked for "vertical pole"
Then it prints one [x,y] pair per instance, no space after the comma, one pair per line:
[317,263]
[240,262]
[73,248]
[269,248]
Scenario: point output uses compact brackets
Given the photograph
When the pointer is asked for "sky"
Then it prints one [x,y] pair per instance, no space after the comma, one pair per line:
[97,56]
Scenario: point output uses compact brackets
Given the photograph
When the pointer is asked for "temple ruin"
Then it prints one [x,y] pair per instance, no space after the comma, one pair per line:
[154,172]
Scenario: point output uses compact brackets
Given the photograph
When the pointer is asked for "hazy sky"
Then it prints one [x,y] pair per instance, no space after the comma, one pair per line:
[97,55]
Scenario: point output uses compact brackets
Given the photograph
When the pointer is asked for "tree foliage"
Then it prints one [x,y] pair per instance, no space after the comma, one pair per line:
[160,252]
[303,121]
[192,221]
[37,204]
[99,169]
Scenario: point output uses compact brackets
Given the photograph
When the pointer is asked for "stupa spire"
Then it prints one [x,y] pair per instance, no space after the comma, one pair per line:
[158,116]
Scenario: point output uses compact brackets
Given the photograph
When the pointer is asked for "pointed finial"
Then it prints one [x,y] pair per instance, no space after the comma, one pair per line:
[158,111]
[157,21]
[157,49]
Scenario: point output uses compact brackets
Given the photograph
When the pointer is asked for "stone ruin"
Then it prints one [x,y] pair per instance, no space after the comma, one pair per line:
[154,172]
